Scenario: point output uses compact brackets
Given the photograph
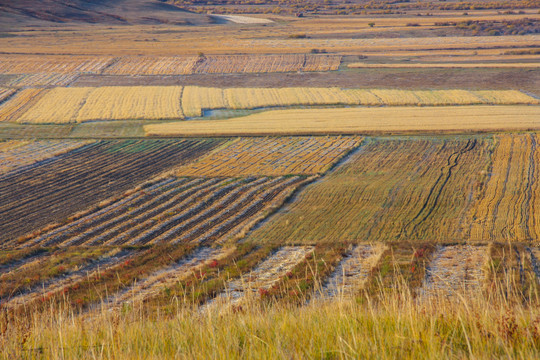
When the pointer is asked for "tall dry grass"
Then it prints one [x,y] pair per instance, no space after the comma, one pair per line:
[386,324]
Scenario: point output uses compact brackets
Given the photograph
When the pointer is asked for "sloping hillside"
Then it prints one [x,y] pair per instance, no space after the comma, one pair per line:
[41,12]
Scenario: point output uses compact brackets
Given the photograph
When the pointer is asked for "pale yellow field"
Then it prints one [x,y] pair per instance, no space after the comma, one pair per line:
[64,105]
[23,100]
[361,120]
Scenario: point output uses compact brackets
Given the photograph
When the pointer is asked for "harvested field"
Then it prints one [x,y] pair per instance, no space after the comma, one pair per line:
[272,156]
[17,154]
[48,193]
[507,208]
[447,65]
[266,274]
[5,94]
[535,260]
[78,104]
[18,104]
[175,210]
[196,99]
[43,79]
[24,64]
[213,64]
[65,105]
[388,190]
[57,284]
[360,121]
[352,272]
[456,269]
[165,278]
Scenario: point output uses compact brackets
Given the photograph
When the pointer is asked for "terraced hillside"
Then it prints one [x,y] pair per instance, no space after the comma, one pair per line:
[50,192]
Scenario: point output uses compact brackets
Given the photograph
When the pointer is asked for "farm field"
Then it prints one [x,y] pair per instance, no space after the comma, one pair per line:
[174,210]
[84,177]
[80,104]
[272,157]
[360,121]
[269,180]
[389,190]
[508,207]
[17,154]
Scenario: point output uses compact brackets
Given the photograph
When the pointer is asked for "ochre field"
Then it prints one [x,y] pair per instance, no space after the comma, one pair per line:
[361,120]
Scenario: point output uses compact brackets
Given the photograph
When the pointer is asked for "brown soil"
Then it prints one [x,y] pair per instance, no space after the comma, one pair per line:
[522,79]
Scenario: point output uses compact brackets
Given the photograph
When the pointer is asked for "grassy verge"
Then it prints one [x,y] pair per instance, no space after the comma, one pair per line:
[394,326]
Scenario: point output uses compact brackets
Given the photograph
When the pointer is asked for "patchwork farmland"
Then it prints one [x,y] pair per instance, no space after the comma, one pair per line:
[281,181]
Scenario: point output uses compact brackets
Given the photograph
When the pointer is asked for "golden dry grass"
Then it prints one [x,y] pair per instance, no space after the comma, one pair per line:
[361,120]
[271,156]
[65,105]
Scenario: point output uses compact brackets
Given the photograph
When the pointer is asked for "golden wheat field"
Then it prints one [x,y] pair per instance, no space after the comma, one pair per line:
[64,105]
[272,157]
[361,120]
[79,104]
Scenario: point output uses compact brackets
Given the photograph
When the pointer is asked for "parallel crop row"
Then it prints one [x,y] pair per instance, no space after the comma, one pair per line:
[174,210]
[65,105]
[195,99]
[508,207]
[74,181]
[272,156]
[17,154]
[43,79]
[390,190]
[223,64]
[25,64]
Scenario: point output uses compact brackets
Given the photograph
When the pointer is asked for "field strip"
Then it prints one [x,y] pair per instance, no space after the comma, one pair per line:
[391,189]
[84,177]
[266,274]
[360,120]
[352,272]
[271,156]
[24,153]
[167,277]
[445,65]
[535,260]
[455,269]
[176,210]
[22,263]
[507,209]
[54,285]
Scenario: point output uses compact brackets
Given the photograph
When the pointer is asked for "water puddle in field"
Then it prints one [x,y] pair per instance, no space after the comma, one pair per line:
[266,274]
[455,269]
[352,272]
